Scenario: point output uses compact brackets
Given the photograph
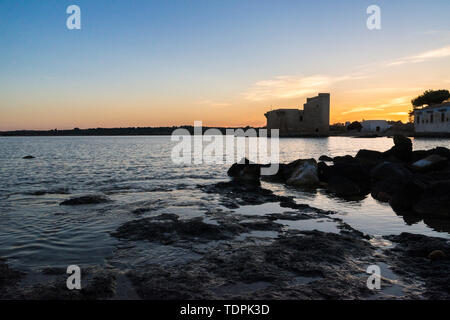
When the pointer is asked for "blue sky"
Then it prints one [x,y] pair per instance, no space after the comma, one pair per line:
[170,62]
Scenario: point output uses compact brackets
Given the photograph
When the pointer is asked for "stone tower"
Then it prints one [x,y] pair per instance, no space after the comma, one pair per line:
[314,119]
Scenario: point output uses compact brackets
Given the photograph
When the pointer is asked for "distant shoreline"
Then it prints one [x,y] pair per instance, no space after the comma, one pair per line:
[167,131]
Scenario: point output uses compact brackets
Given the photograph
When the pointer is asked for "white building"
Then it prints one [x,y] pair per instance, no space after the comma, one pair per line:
[434,119]
[374,126]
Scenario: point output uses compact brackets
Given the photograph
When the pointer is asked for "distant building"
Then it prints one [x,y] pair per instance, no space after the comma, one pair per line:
[433,119]
[374,126]
[313,119]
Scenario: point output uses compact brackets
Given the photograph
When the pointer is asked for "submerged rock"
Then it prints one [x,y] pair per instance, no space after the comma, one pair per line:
[93,199]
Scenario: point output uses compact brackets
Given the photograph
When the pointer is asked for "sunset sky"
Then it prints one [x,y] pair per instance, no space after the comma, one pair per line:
[227,62]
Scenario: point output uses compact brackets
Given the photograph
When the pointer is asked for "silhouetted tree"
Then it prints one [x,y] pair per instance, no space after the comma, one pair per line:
[355,125]
[431,97]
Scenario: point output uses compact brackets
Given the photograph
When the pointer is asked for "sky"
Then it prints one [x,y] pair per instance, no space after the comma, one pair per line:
[223,62]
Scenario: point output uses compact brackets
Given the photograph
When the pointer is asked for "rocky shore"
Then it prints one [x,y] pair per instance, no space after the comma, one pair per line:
[235,255]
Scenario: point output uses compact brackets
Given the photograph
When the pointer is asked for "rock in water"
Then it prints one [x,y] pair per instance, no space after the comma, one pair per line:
[402,149]
[407,196]
[28,157]
[435,201]
[85,200]
[343,187]
[325,158]
[437,255]
[387,178]
[369,158]
[305,174]
[432,162]
[245,170]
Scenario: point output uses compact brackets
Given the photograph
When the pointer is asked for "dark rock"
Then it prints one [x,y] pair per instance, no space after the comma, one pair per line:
[323,172]
[28,157]
[245,170]
[407,196]
[437,255]
[387,178]
[402,149]
[346,159]
[435,201]
[342,186]
[419,154]
[305,174]
[167,228]
[354,172]
[304,265]
[8,276]
[285,171]
[93,199]
[411,259]
[369,158]
[430,163]
[345,178]
[325,158]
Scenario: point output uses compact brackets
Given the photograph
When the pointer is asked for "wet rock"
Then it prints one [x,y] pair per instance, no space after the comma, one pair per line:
[435,201]
[325,158]
[387,178]
[343,187]
[285,171]
[402,149]
[305,174]
[167,228]
[437,255]
[96,285]
[410,258]
[369,158]
[323,172]
[429,163]
[345,159]
[302,265]
[245,170]
[28,157]
[407,196]
[417,245]
[8,278]
[345,178]
[234,194]
[92,199]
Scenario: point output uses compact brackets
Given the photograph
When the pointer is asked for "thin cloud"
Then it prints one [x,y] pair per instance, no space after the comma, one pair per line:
[424,56]
[212,103]
[396,102]
[362,109]
[398,113]
[382,90]
[287,87]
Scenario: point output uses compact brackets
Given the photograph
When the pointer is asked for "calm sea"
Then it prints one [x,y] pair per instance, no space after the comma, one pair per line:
[137,172]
